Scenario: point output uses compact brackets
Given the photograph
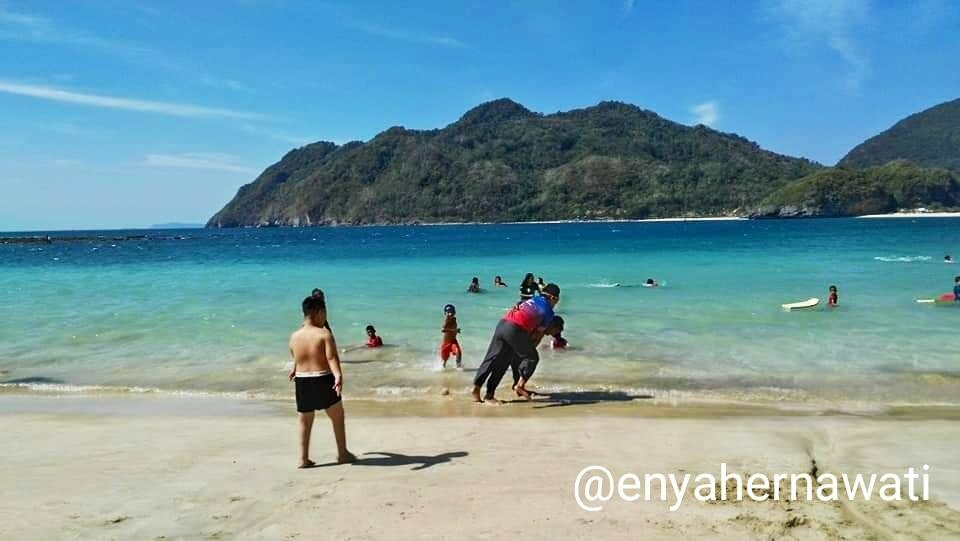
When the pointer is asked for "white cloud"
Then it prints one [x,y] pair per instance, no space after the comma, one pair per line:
[706,113]
[35,29]
[65,162]
[429,39]
[298,140]
[128,104]
[831,22]
[30,28]
[199,160]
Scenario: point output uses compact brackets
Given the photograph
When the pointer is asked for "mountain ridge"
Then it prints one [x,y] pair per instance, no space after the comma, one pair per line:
[502,162]
[929,138]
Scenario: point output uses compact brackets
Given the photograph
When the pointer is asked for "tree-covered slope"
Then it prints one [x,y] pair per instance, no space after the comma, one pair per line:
[930,138]
[851,192]
[502,162]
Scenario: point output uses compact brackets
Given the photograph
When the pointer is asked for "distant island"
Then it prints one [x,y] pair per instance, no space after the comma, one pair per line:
[501,162]
[177,225]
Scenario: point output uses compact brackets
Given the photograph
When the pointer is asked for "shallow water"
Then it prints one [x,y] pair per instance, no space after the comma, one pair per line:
[210,310]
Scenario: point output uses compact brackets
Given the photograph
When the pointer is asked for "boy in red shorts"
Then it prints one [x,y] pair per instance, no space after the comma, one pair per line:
[449,345]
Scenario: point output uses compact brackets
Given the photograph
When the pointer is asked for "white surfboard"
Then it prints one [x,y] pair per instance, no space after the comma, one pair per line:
[802,305]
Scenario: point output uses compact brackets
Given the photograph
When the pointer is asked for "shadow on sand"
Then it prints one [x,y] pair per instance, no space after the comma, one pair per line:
[419,462]
[34,379]
[583,398]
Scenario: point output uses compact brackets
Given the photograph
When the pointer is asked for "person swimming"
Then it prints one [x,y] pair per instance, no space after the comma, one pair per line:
[474,286]
[498,282]
[528,288]
[948,259]
[650,283]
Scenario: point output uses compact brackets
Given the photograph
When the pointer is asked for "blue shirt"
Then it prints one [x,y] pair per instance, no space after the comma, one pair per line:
[531,314]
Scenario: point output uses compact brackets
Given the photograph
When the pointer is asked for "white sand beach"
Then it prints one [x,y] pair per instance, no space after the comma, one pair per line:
[136,469]
[913,215]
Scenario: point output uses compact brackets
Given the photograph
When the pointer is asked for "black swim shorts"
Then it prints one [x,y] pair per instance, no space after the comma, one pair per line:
[315,393]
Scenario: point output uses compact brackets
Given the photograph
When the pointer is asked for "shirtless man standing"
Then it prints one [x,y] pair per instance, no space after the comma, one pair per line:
[318,379]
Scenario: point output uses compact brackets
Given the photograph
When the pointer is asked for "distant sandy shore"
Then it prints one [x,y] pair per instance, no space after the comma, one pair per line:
[914,215]
[141,469]
[603,221]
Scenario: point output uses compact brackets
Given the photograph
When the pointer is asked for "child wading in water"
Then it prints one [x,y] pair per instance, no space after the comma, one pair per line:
[317,378]
[448,344]
[832,298]
[373,341]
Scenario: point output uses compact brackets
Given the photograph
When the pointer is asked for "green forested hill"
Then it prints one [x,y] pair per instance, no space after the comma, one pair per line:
[502,162]
[842,191]
[930,138]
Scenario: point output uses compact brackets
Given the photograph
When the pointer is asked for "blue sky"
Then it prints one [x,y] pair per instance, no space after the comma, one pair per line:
[127,113]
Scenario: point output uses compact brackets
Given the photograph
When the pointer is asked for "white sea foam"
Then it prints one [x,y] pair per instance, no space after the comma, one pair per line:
[903,258]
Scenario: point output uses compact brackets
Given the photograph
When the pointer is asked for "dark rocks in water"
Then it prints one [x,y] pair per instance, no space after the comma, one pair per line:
[72,238]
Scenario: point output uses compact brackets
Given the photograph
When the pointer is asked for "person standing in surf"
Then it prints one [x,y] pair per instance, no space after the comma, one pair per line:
[317,293]
[529,287]
[515,341]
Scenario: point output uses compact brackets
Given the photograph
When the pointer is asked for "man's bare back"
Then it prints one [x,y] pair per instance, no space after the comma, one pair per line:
[312,349]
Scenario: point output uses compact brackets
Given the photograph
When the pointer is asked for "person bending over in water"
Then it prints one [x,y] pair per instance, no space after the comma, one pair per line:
[833,298]
[317,378]
[474,286]
[528,288]
[498,282]
[449,344]
[523,369]
[373,341]
[515,341]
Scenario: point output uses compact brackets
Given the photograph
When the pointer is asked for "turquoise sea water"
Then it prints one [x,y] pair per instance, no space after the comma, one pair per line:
[211,310]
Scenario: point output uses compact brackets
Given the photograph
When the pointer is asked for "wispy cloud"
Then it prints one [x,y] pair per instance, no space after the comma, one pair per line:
[298,140]
[25,27]
[413,37]
[128,104]
[199,160]
[706,113]
[628,5]
[15,26]
[831,22]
